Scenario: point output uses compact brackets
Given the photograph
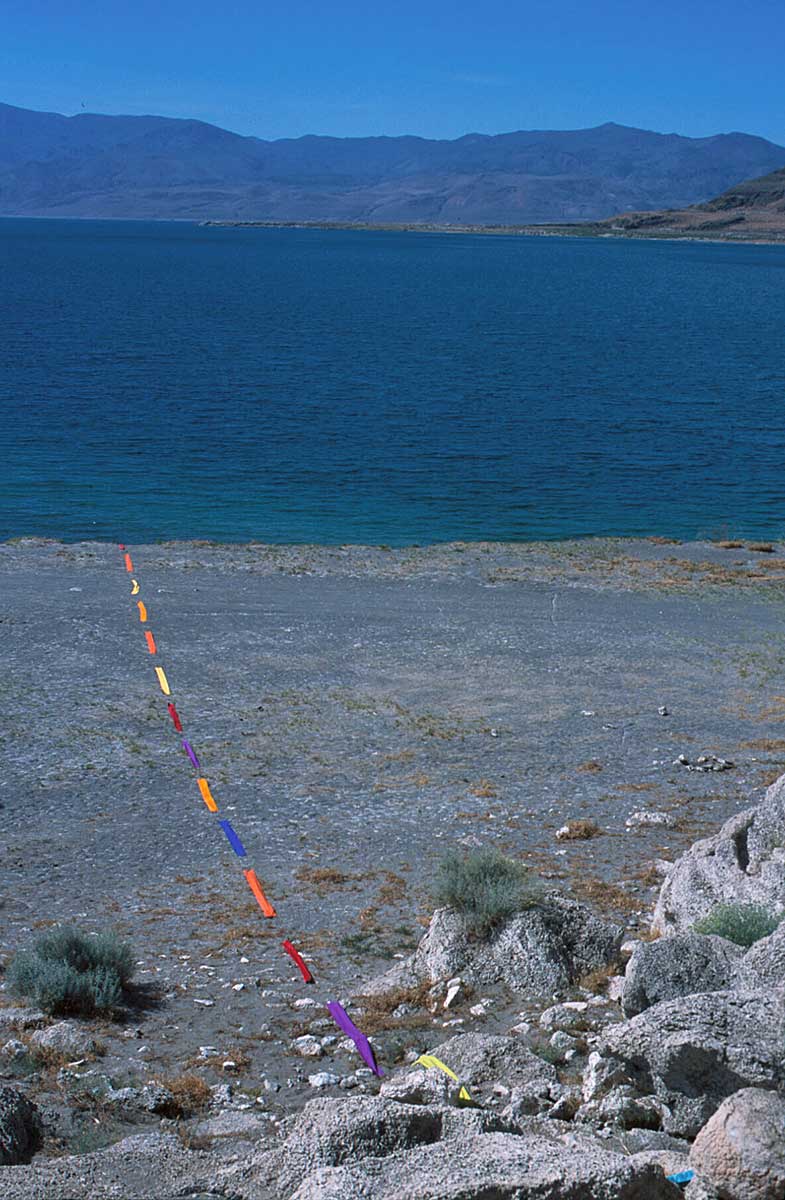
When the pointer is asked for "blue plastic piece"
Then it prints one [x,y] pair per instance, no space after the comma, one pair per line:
[681,1177]
[234,840]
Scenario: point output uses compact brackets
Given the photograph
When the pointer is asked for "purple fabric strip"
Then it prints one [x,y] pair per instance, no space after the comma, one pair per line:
[344,1022]
[191,755]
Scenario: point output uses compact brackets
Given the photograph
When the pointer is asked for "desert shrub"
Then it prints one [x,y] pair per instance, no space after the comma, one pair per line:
[68,972]
[486,887]
[740,923]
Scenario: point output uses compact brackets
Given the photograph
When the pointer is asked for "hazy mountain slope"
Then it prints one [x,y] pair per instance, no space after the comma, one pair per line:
[91,165]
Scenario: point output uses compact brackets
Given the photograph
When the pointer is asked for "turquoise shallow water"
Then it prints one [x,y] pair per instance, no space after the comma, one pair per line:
[162,380]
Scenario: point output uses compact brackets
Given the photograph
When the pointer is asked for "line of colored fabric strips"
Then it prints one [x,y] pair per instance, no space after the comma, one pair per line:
[338,1014]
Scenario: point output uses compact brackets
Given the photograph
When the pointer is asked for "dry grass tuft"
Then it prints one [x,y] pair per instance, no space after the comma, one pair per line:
[191,1094]
[771,744]
[324,879]
[761,547]
[597,981]
[484,790]
[591,766]
[378,1010]
[730,545]
[578,830]
[608,897]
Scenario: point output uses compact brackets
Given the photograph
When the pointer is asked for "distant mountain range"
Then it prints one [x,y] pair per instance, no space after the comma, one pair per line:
[99,166]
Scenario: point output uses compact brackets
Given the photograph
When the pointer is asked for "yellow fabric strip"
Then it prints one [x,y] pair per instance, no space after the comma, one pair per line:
[135,588]
[164,682]
[431,1061]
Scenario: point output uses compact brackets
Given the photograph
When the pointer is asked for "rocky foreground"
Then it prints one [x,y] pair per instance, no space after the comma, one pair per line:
[678,1069]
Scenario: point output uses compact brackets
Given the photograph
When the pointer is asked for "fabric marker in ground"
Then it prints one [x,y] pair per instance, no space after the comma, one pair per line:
[681,1177]
[298,960]
[129,566]
[140,604]
[175,717]
[234,840]
[189,751]
[344,1022]
[150,641]
[432,1062]
[135,587]
[204,788]
[164,682]
[256,888]
[121,546]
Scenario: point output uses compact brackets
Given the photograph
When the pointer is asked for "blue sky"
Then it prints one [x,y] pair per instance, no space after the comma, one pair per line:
[357,67]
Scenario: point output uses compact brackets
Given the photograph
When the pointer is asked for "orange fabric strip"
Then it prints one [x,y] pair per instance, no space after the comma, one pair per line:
[256,888]
[129,566]
[140,604]
[204,788]
[150,641]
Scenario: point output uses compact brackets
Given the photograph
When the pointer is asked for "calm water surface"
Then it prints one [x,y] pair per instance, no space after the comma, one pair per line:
[162,380]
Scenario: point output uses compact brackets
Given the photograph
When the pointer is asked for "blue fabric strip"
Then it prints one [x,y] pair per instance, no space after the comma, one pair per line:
[234,840]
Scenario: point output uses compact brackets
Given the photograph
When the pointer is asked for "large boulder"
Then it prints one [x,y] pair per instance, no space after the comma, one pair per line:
[20,1127]
[678,966]
[539,951]
[742,864]
[478,1058]
[328,1133]
[498,1165]
[694,1052]
[763,966]
[740,1152]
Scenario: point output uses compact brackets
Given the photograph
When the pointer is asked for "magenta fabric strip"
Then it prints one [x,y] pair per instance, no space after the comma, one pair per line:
[344,1022]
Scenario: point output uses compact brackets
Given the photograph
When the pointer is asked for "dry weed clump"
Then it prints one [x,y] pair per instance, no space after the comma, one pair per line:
[325,879]
[484,790]
[597,981]
[608,897]
[761,547]
[730,545]
[590,767]
[578,830]
[378,1010]
[190,1094]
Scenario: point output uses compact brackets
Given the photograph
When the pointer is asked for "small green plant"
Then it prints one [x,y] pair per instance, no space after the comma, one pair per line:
[740,923]
[66,971]
[486,887]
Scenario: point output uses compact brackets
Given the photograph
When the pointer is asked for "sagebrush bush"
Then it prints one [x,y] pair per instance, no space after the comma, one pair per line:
[486,887]
[740,923]
[66,971]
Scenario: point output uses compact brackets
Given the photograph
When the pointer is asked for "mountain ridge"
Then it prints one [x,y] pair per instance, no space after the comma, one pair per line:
[92,165]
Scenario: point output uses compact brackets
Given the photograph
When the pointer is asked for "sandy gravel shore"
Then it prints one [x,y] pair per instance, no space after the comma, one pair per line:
[356,710]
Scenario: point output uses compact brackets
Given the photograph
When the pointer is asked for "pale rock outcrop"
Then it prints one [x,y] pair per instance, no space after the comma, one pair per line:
[64,1038]
[742,864]
[740,1152]
[763,966]
[538,951]
[498,1165]
[678,966]
[693,1052]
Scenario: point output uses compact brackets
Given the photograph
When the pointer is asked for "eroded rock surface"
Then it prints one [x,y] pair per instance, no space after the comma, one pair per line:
[678,966]
[742,864]
[740,1152]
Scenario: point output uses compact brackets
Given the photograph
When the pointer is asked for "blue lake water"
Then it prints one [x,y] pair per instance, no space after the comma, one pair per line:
[163,380]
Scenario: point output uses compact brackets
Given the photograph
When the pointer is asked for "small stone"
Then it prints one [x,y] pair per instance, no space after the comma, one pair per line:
[647,816]
[478,1010]
[237,987]
[209,1051]
[305,1002]
[663,711]
[13,1048]
[323,1079]
[307,1046]
[229,1065]
[205,1003]
[454,993]
[64,1038]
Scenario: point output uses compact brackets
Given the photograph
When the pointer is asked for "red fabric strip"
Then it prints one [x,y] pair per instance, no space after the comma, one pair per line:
[297,959]
[175,719]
